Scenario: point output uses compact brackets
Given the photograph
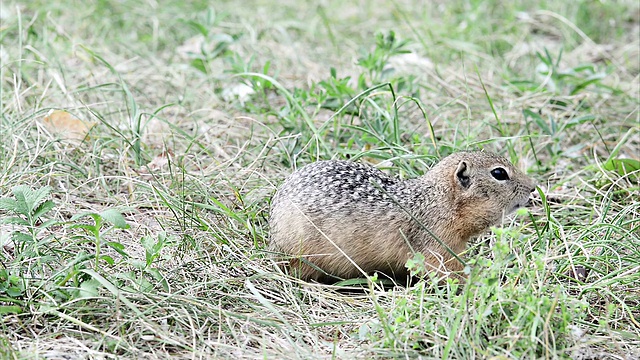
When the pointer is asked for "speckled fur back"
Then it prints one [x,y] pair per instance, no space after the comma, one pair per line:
[338,186]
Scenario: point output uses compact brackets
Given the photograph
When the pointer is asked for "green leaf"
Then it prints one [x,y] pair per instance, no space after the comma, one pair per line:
[622,166]
[159,278]
[199,64]
[14,291]
[147,243]
[89,288]
[21,237]
[43,208]
[144,285]
[14,221]
[21,206]
[90,228]
[115,217]
[8,204]
[117,247]
[108,259]
[198,27]
[159,244]
[10,309]
[48,223]
[28,199]
[592,79]
[581,119]
[138,264]
[585,67]
[94,216]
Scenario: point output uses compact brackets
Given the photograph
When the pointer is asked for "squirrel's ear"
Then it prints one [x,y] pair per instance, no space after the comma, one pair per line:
[462,175]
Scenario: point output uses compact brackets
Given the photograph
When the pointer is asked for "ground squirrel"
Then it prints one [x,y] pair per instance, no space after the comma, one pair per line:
[331,215]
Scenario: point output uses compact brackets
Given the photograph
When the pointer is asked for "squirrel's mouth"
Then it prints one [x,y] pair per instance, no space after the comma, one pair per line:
[520,204]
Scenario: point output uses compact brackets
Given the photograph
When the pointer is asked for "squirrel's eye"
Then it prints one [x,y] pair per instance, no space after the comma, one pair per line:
[500,174]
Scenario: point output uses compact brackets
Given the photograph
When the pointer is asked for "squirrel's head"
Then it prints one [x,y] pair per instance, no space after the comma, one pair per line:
[486,186]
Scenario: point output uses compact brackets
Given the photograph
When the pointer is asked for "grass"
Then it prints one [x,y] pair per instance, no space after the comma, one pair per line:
[146,239]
